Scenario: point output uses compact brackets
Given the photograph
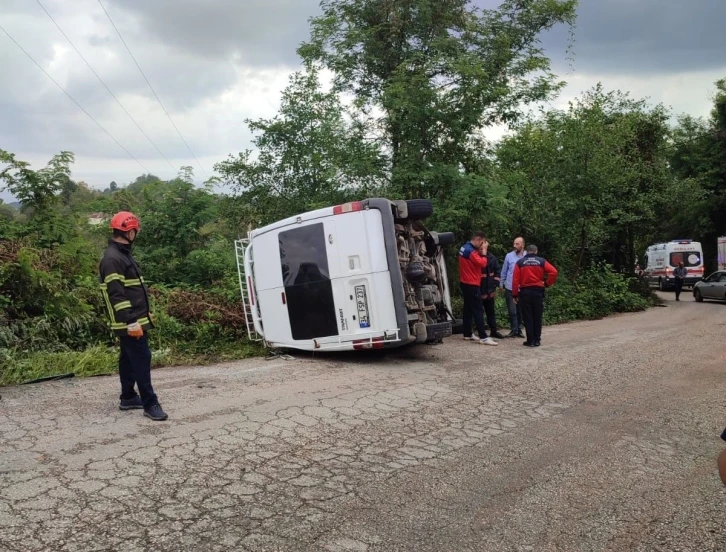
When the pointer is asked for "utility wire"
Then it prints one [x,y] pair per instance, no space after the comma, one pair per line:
[74,101]
[151,87]
[106,87]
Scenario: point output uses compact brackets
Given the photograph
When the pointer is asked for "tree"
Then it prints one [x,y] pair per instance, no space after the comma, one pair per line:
[438,71]
[312,154]
[186,174]
[698,158]
[113,186]
[37,190]
[39,193]
[585,183]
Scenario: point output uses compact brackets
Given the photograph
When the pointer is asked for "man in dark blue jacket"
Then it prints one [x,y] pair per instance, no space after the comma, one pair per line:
[489,287]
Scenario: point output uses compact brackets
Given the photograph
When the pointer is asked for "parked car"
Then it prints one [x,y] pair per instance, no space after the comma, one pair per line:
[712,287]
[366,274]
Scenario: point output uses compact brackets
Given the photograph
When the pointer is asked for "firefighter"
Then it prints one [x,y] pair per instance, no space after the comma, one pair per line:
[532,274]
[127,301]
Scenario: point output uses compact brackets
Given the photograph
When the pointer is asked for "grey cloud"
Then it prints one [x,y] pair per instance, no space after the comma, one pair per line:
[644,37]
[257,32]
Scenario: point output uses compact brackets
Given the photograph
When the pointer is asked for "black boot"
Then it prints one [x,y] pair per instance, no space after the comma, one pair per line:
[155,413]
[131,404]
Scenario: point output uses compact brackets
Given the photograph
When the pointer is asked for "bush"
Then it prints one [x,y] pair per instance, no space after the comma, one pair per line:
[598,292]
[52,323]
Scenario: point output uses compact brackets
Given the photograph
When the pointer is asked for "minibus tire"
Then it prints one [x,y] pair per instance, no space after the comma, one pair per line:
[446,238]
[419,209]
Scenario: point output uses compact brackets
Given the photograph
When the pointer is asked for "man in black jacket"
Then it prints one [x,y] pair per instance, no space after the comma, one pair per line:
[489,285]
[127,301]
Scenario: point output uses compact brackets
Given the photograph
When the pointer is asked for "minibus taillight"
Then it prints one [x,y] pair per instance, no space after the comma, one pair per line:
[348,208]
[373,343]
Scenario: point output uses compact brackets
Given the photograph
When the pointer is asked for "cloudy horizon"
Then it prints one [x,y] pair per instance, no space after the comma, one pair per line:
[216,63]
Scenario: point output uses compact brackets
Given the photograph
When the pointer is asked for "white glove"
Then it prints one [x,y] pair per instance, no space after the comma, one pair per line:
[135,330]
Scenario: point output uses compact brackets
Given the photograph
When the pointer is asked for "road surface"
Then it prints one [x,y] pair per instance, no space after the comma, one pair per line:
[604,438]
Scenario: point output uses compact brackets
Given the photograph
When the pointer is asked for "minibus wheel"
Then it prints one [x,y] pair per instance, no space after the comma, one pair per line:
[419,209]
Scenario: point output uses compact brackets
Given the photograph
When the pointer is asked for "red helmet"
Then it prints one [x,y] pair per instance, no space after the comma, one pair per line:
[125,221]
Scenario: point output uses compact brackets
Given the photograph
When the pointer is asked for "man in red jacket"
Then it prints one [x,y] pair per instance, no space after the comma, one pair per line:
[532,274]
[472,260]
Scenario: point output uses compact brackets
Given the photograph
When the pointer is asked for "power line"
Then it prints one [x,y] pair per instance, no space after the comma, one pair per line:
[151,87]
[106,87]
[74,100]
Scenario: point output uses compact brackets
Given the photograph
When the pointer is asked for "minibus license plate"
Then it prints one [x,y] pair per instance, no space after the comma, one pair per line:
[362,304]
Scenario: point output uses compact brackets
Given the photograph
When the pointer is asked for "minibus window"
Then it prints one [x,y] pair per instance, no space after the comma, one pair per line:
[306,277]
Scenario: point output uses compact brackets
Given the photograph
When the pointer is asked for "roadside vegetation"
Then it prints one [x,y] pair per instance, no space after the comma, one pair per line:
[591,185]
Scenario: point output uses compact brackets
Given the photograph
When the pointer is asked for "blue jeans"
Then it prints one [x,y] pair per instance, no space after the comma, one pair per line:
[134,367]
[515,312]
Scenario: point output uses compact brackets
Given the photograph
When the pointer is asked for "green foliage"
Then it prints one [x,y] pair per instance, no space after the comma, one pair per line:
[311,155]
[37,190]
[51,316]
[438,71]
[598,292]
[18,368]
[698,160]
[586,182]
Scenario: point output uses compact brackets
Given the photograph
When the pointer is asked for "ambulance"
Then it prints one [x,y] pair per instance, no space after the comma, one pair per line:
[363,275]
[663,258]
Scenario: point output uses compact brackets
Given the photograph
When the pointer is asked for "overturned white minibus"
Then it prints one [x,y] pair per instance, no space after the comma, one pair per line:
[362,275]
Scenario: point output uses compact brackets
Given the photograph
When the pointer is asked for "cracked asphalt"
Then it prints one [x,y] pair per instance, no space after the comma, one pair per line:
[605,438]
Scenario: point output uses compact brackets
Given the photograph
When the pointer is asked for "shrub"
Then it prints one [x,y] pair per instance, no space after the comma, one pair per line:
[598,292]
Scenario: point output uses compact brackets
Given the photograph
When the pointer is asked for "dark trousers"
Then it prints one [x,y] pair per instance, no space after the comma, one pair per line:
[679,287]
[515,312]
[473,310]
[134,368]
[532,302]
[489,308]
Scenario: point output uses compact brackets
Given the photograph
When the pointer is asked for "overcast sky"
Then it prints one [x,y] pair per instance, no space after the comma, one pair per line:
[215,63]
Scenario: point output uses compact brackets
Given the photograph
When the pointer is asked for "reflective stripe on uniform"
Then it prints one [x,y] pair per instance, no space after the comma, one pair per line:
[107,300]
[144,320]
[122,305]
[113,276]
[124,282]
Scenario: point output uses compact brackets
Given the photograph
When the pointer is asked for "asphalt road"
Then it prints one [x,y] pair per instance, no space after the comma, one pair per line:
[604,438]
